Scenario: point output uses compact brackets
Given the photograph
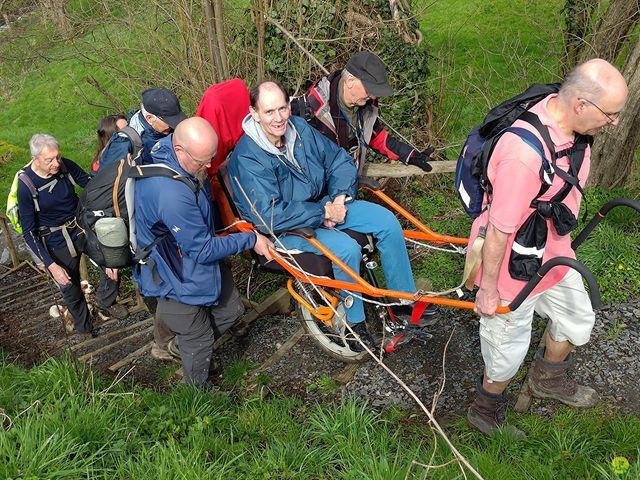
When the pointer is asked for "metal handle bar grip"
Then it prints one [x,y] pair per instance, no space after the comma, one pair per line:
[594,291]
[597,218]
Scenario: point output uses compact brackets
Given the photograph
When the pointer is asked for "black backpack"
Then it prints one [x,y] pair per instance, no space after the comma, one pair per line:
[106,212]
[472,182]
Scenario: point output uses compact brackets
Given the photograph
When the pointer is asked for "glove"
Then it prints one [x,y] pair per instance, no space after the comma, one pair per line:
[421,159]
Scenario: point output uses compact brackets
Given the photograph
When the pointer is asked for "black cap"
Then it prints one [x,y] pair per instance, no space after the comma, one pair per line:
[369,69]
[164,104]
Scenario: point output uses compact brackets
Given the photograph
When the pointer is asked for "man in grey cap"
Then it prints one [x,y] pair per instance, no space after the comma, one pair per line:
[343,107]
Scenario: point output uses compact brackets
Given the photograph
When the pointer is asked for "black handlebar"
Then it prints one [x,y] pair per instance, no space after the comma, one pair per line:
[594,291]
[597,218]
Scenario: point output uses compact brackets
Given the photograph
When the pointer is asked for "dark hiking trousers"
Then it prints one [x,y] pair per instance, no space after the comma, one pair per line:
[107,290]
[72,293]
[198,327]
[228,310]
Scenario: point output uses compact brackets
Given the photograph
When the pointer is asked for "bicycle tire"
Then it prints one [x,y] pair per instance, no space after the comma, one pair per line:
[328,341]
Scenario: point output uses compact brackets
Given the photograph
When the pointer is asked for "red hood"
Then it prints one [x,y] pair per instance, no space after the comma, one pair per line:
[225,105]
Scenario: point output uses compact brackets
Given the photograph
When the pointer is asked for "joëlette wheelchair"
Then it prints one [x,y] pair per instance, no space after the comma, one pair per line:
[316,293]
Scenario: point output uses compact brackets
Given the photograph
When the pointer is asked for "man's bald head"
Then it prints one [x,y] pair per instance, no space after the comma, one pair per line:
[196,143]
[591,98]
[594,78]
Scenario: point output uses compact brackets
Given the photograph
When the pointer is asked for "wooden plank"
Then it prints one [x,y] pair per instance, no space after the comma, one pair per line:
[131,357]
[399,170]
[47,299]
[282,351]
[23,281]
[23,290]
[272,304]
[14,269]
[94,353]
[523,402]
[64,340]
[345,375]
[100,338]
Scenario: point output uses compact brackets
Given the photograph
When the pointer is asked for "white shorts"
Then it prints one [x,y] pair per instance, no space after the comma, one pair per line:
[505,338]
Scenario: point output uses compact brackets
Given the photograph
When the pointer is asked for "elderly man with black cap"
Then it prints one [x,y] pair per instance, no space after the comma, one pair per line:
[343,107]
[158,116]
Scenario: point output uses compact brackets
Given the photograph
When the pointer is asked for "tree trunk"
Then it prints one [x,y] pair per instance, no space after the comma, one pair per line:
[578,20]
[222,43]
[614,152]
[261,11]
[608,39]
[207,8]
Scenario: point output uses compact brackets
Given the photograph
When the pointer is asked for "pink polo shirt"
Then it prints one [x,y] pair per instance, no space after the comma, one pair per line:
[514,173]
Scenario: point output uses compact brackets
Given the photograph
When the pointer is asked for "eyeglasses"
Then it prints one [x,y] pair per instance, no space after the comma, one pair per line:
[202,163]
[612,117]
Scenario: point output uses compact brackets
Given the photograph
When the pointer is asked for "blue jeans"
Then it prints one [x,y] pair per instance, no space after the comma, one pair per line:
[364,217]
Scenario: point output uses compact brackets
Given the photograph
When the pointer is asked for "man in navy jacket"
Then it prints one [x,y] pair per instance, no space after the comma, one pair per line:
[184,269]
[48,221]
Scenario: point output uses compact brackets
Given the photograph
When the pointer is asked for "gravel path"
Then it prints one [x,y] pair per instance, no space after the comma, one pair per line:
[610,363]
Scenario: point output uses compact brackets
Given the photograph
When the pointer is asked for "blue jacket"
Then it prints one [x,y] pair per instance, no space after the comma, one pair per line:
[187,259]
[120,145]
[289,188]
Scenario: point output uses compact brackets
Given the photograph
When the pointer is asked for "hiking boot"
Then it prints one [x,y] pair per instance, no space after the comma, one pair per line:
[161,353]
[427,319]
[487,413]
[85,335]
[117,311]
[552,380]
[172,348]
[361,330]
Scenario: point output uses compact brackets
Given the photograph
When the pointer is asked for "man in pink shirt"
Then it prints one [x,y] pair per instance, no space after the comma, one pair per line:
[590,98]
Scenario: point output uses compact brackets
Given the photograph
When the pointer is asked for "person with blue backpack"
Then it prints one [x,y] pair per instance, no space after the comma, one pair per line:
[532,194]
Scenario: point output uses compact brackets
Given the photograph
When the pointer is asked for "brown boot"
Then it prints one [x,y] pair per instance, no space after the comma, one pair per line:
[487,413]
[551,380]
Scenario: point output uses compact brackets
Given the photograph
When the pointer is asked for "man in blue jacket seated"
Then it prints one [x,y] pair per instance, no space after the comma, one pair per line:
[295,177]
[196,297]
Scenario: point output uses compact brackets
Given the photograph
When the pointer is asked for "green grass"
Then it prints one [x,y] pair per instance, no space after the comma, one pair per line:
[58,421]
[485,52]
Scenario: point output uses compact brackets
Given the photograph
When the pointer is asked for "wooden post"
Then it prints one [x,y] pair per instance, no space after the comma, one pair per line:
[222,42]
[261,11]
[399,170]
[211,39]
[10,245]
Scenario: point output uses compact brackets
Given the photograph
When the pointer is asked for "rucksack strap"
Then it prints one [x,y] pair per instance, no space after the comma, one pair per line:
[135,138]
[26,180]
[157,170]
[129,132]
[575,153]
[547,171]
